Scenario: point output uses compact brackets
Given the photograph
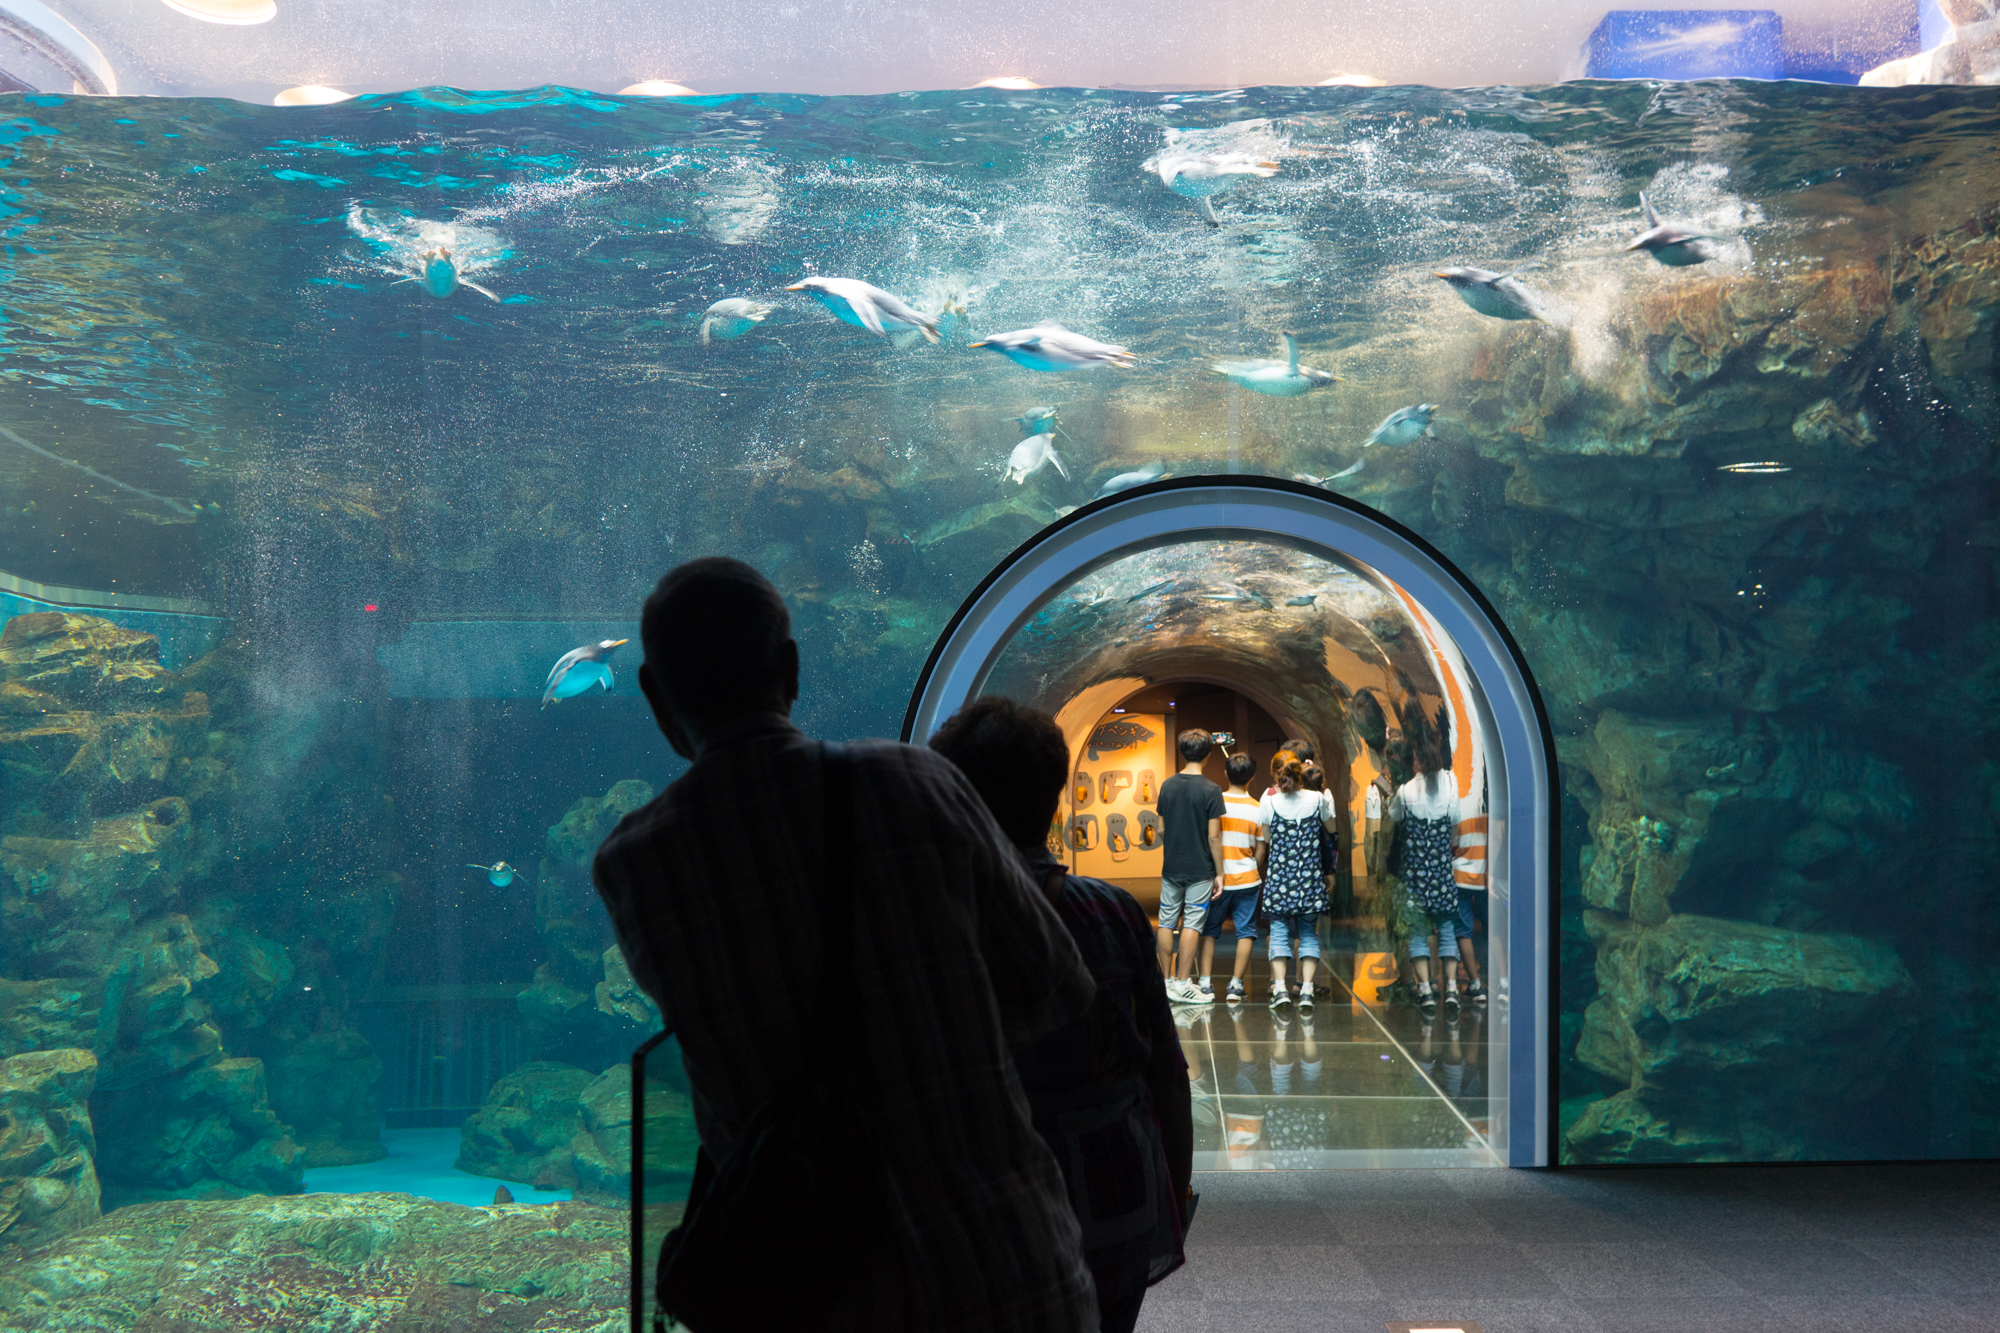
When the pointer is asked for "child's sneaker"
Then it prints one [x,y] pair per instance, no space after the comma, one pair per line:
[1451,1003]
[1206,988]
[1476,992]
[1305,997]
[1236,993]
[1427,1002]
[1279,995]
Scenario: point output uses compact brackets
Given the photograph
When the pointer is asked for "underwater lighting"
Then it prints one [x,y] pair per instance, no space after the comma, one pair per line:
[1353,81]
[240,13]
[657,88]
[1012,83]
[310,94]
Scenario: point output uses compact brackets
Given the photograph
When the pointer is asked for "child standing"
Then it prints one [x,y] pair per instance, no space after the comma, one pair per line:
[1242,842]
[1296,822]
[1191,818]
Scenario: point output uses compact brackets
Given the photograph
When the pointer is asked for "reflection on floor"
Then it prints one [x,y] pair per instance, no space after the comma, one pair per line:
[1342,1084]
[420,1163]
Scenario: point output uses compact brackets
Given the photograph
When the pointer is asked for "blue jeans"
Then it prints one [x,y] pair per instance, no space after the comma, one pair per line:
[1297,929]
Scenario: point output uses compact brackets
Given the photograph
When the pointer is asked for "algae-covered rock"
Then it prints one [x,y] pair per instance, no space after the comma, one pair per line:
[574,838]
[323,1086]
[48,1182]
[78,657]
[528,1126]
[207,1129]
[1748,1039]
[331,1263]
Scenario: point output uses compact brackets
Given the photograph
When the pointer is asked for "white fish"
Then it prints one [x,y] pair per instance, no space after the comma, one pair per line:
[1050,346]
[1031,456]
[1670,245]
[580,669]
[1279,379]
[1195,174]
[440,276]
[1125,481]
[1348,471]
[1495,294]
[1405,425]
[866,307]
[732,317]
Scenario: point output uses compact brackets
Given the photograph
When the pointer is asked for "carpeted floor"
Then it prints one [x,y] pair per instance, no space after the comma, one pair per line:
[1802,1249]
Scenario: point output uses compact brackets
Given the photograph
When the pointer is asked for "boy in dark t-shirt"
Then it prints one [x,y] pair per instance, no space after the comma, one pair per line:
[1191,818]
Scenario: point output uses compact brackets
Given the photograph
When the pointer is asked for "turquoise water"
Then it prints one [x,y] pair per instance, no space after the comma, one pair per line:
[1739,515]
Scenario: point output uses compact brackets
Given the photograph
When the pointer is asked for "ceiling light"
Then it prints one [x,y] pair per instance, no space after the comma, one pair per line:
[658,88]
[1345,81]
[310,94]
[1012,83]
[239,12]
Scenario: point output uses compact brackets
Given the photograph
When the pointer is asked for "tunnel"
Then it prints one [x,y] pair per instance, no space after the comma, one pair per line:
[1265,611]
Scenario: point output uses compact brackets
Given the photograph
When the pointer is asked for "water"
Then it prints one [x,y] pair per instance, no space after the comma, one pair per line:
[1739,515]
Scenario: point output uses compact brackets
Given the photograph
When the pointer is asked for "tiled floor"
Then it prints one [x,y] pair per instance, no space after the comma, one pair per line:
[1340,1085]
[1803,1249]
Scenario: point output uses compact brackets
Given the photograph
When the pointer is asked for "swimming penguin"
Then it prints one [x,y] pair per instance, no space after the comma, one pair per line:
[1050,346]
[499,874]
[1280,379]
[579,669]
[1303,599]
[1405,425]
[1031,456]
[1348,471]
[732,317]
[866,307]
[1494,294]
[1038,421]
[1197,175]
[1669,244]
[440,276]
[1125,481]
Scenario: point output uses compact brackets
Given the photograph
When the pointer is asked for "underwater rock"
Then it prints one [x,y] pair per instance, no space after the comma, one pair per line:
[64,902]
[1970,52]
[324,1087]
[527,1128]
[556,1127]
[619,996]
[48,1184]
[80,658]
[1725,1033]
[206,1130]
[574,838]
[331,1263]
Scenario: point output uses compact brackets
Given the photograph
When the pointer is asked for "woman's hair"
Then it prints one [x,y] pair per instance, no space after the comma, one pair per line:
[1016,759]
[1315,778]
[1239,767]
[1301,747]
[1396,757]
[1287,770]
[1430,739]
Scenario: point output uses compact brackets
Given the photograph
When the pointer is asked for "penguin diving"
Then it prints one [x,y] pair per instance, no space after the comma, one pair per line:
[1405,425]
[1050,346]
[1279,379]
[732,317]
[1495,294]
[1669,244]
[1196,174]
[499,874]
[581,668]
[867,307]
[1348,471]
[1031,456]
[1125,481]
[440,277]
[1038,421]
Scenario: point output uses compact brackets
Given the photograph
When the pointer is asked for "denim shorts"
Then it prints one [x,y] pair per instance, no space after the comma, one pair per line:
[1238,905]
[1182,901]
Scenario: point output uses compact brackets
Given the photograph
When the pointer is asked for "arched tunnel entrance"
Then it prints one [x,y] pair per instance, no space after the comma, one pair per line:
[1263,610]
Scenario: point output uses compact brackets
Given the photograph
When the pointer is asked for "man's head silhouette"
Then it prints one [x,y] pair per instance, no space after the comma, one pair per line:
[718,644]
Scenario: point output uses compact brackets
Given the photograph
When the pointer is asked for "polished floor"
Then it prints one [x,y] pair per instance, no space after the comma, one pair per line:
[1341,1085]
[1703,1249]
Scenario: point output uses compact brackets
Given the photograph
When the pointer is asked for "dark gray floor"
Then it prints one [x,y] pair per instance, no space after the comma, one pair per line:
[1809,1249]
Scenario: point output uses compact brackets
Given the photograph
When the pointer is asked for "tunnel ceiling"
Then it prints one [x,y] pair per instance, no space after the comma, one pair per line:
[1230,611]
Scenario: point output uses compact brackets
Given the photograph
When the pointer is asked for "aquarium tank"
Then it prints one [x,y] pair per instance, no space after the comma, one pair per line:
[329,433]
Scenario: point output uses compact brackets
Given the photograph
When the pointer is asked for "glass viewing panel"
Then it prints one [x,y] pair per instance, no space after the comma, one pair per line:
[326,431]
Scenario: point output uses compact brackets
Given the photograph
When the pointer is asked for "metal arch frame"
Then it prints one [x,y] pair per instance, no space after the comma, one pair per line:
[1322,523]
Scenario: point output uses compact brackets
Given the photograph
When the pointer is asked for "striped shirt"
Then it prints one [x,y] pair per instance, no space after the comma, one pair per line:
[1242,830]
[712,890]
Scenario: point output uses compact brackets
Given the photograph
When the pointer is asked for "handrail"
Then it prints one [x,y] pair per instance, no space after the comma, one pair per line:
[640,1278]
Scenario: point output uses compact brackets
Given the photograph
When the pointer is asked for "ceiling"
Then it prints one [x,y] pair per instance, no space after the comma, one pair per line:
[859,46]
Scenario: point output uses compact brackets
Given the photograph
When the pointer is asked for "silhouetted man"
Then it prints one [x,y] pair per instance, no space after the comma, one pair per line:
[714,890]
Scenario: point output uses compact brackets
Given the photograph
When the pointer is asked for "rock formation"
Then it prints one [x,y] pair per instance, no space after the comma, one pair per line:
[48,1183]
[557,1127]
